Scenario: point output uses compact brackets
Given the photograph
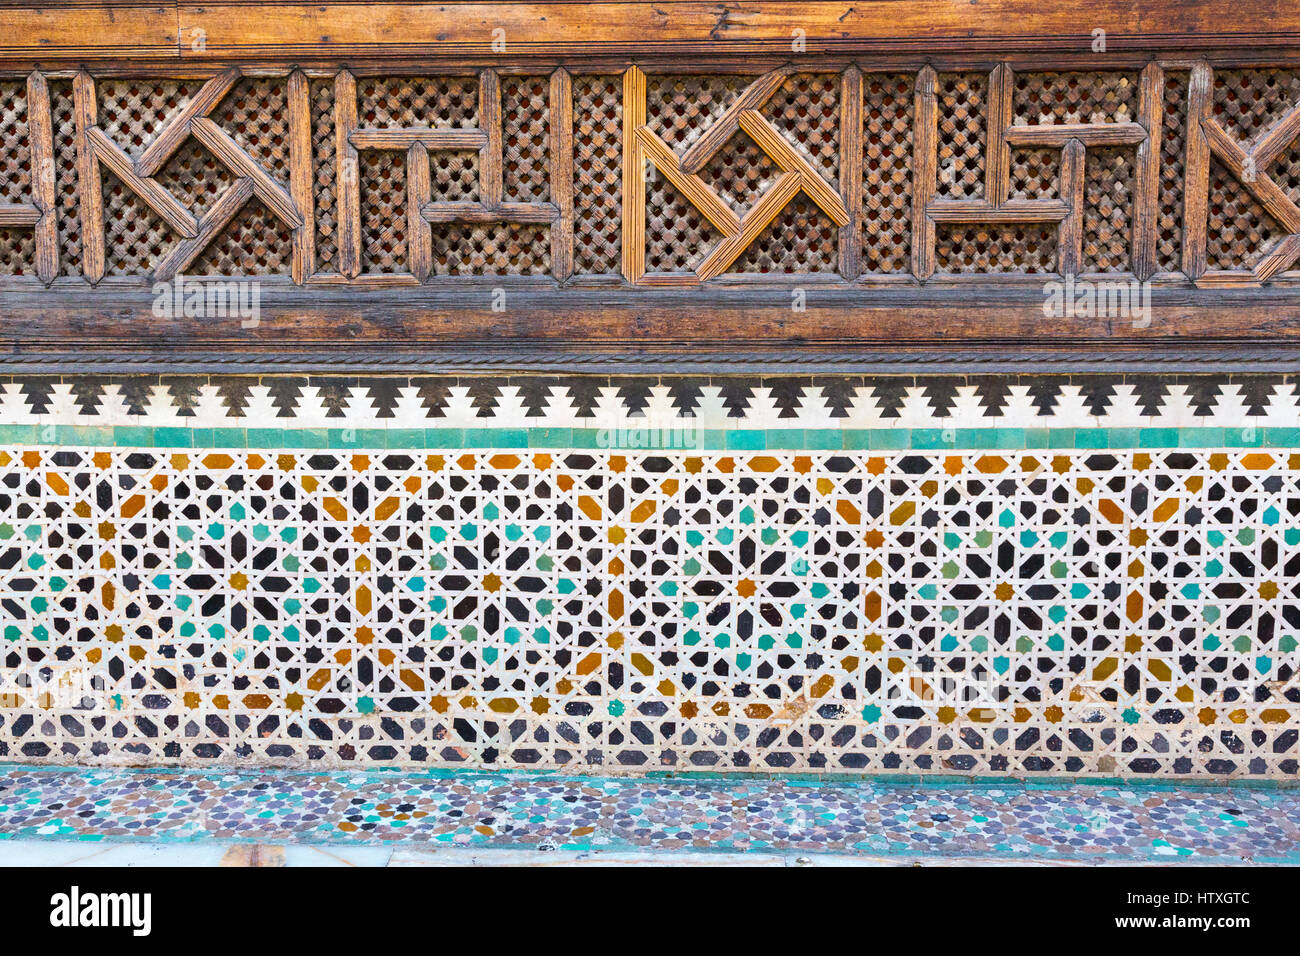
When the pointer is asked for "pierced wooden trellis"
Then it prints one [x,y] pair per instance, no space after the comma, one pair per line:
[587,180]
[1206,138]
[1071,139]
[96,148]
[419,142]
[643,146]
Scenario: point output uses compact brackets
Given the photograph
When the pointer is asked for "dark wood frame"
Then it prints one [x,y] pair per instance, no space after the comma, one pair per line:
[1200,320]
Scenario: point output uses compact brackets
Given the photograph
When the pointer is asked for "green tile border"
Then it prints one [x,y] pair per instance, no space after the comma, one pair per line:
[649,440]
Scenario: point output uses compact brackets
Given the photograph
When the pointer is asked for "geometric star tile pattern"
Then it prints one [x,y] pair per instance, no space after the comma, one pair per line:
[1080,576]
[983,612]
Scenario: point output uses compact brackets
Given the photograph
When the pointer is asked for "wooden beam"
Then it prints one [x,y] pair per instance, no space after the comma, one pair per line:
[753,97]
[302,32]
[925,159]
[1196,172]
[788,159]
[332,29]
[852,151]
[89,186]
[1013,210]
[1089,134]
[40,137]
[20,214]
[419,236]
[561,130]
[175,133]
[209,227]
[699,193]
[634,118]
[404,139]
[997,161]
[1146,177]
[1070,241]
[347,175]
[540,213]
[490,158]
[302,181]
[391,320]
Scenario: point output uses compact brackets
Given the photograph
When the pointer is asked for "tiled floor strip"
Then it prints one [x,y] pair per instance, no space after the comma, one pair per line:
[1045,822]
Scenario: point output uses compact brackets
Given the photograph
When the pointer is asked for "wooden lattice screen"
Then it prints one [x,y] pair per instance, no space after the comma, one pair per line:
[725,180]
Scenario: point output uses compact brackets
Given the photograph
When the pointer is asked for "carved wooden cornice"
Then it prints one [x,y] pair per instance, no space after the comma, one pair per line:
[829,184]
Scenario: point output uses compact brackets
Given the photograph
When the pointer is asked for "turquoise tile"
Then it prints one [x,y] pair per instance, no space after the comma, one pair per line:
[358,438]
[296,439]
[268,438]
[1207,437]
[746,439]
[169,437]
[733,439]
[1009,438]
[891,439]
[978,439]
[477,437]
[1158,438]
[510,438]
[85,434]
[930,439]
[234,437]
[21,434]
[133,436]
[550,437]
[444,438]
[405,439]
[1091,438]
[1121,437]
[817,439]
[789,439]
[1248,437]
[1282,437]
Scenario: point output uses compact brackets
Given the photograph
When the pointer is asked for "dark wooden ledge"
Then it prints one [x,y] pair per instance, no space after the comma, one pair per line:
[545,327]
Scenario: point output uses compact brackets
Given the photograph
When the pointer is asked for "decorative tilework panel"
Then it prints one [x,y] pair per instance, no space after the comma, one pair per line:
[750,603]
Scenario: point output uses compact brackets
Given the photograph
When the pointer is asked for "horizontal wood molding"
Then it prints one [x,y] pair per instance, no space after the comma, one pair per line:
[626,178]
[229,28]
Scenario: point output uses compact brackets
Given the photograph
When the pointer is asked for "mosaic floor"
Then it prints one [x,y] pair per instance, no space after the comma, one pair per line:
[1095,822]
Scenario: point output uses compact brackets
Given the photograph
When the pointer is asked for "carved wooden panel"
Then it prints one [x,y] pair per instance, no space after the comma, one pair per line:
[663,177]
[553,179]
